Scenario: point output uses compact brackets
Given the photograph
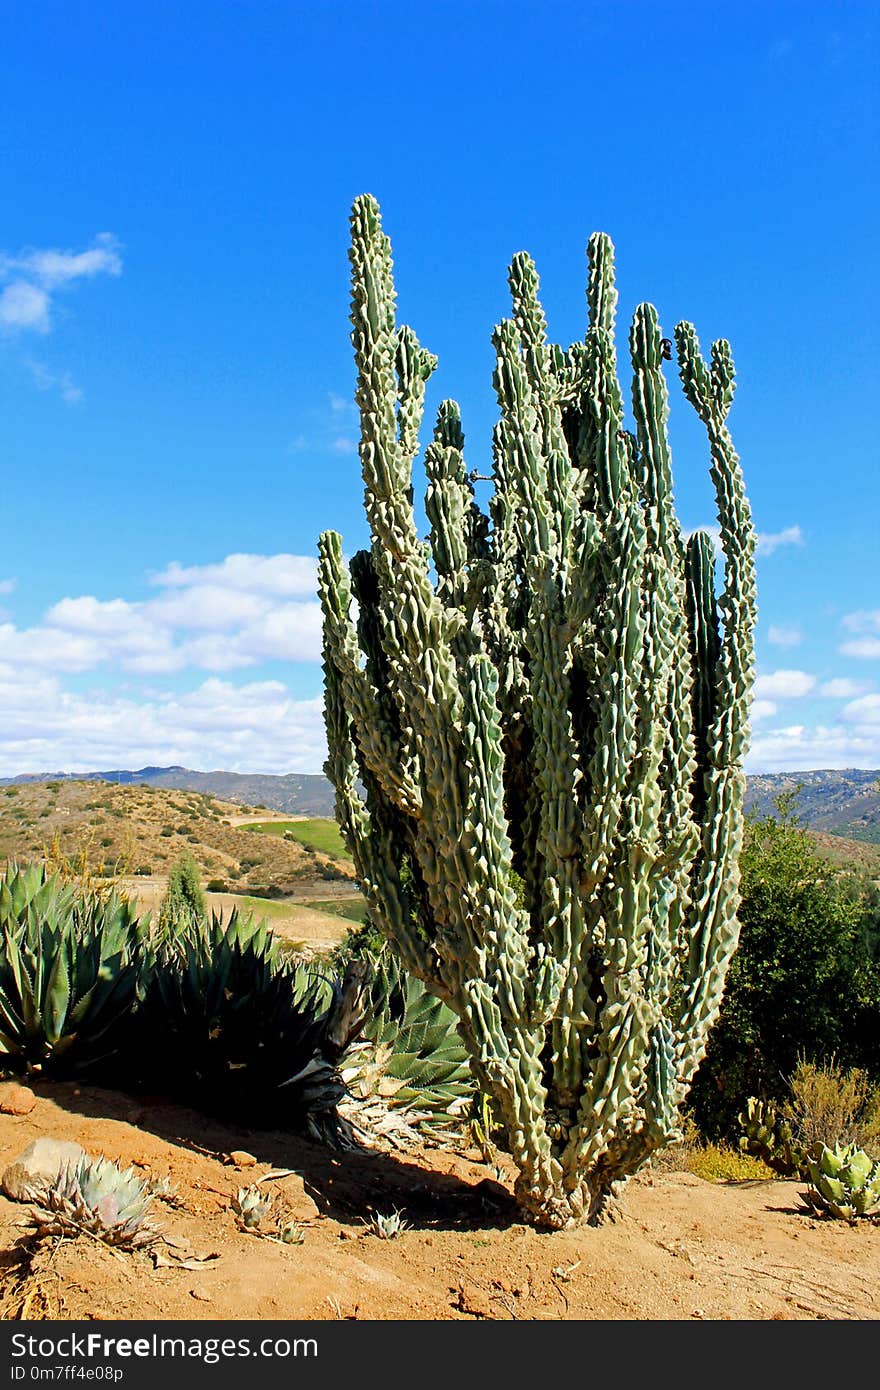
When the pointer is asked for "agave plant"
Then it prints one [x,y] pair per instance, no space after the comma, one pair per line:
[845,1183]
[70,966]
[230,1024]
[413,1055]
[387,1227]
[100,1198]
[250,1207]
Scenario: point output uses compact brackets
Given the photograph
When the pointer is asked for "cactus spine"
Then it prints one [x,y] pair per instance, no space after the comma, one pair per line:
[548,730]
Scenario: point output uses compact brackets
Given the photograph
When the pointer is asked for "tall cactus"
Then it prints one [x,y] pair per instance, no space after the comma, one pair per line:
[536,721]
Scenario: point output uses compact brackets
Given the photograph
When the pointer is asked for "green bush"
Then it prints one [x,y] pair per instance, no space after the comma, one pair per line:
[804,983]
[184,901]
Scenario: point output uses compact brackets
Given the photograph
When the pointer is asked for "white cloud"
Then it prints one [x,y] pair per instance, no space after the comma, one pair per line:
[785,636]
[784,685]
[31,278]
[865,623]
[841,688]
[256,727]
[7,585]
[866,648]
[798,748]
[52,269]
[242,612]
[768,541]
[863,620]
[762,709]
[281,575]
[864,711]
[62,382]
[209,607]
[24,306]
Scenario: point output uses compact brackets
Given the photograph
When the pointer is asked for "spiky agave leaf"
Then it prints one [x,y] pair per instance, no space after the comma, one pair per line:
[845,1183]
[70,966]
[415,1056]
[96,1196]
[232,1025]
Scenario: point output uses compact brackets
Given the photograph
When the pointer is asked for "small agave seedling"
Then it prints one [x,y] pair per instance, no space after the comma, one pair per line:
[387,1227]
[250,1207]
[845,1183]
[100,1198]
[291,1233]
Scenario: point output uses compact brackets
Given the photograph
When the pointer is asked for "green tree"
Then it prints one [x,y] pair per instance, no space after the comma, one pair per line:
[184,901]
[805,979]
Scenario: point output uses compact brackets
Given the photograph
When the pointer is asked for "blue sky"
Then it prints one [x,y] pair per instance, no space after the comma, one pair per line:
[176,379]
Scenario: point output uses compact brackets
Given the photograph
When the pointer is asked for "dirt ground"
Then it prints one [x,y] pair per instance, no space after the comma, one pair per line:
[684,1248]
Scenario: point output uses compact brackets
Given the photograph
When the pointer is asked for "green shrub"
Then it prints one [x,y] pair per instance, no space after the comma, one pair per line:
[804,984]
[217,885]
[184,901]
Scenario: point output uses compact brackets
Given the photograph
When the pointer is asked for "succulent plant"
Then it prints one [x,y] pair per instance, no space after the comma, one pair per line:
[388,1226]
[251,1207]
[537,719]
[845,1183]
[100,1198]
[71,963]
[412,1054]
[230,1024]
[768,1136]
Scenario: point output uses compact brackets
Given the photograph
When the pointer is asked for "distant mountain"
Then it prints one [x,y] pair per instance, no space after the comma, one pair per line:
[843,803]
[297,793]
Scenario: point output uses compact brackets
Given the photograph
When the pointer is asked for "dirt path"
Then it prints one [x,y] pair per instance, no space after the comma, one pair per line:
[684,1248]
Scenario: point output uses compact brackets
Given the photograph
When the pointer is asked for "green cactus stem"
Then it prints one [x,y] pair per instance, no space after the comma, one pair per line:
[537,720]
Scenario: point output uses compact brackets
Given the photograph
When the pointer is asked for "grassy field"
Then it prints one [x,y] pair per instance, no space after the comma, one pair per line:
[322,835]
[352,909]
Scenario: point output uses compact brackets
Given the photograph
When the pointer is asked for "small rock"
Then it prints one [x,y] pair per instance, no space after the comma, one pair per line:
[38,1166]
[15,1099]
[473,1301]
[242,1159]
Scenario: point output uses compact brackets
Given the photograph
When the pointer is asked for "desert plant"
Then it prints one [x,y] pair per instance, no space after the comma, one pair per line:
[250,1206]
[184,901]
[71,963]
[99,1198]
[228,1023]
[767,1135]
[845,1183]
[553,692]
[411,1054]
[387,1226]
[826,1107]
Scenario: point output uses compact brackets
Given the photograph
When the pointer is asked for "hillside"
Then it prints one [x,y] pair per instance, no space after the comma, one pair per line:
[297,793]
[843,803]
[840,802]
[140,830]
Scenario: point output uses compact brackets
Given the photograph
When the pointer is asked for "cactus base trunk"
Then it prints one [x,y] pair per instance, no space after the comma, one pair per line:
[560,1208]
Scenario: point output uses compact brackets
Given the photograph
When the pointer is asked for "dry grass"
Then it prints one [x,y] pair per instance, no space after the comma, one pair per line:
[831,1106]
